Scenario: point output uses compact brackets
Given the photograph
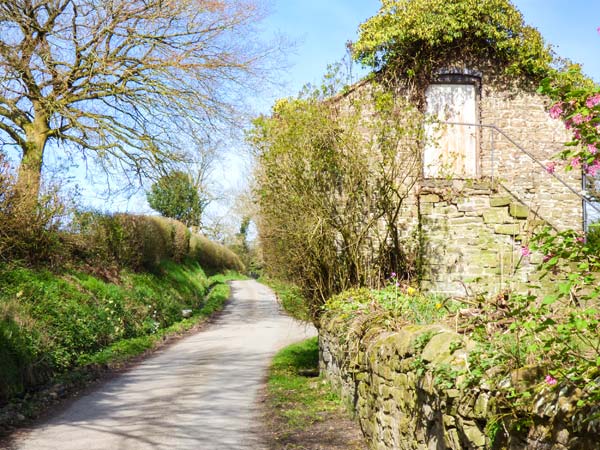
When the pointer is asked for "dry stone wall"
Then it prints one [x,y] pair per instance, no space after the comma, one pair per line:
[405,395]
[523,117]
[472,238]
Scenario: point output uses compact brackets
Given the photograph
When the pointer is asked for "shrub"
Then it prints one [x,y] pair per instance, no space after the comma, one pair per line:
[22,351]
[28,229]
[136,242]
[211,255]
[414,37]
[178,237]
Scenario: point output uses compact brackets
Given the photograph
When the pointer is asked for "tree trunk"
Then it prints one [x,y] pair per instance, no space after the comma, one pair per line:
[30,170]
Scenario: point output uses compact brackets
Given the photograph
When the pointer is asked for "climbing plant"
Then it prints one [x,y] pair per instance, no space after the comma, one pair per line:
[414,37]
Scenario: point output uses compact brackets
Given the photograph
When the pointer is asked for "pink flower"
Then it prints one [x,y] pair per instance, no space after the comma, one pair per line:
[575,162]
[550,380]
[551,167]
[578,119]
[525,251]
[594,169]
[581,239]
[547,257]
[592,149]
[556,110]
[577,134]
[593,100]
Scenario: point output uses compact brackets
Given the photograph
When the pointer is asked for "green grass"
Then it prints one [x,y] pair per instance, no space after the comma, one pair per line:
[123,350]
[53,323]
[291,298]
[294,392]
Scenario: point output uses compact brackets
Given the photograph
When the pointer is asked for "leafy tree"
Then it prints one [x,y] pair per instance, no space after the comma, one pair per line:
[174,195]
[332,178]
[113,79]
[415,36]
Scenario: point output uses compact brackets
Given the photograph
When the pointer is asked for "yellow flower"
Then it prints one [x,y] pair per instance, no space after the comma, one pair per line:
[438,305]
[411,290]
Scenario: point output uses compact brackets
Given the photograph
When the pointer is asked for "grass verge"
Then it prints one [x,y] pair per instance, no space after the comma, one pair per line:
[290,297]
[302,408]
[210,297]
[121,351]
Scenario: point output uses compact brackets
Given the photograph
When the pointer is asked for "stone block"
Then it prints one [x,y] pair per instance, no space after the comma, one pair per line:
[438,348]
[485,259]
[512,229]
[532,225]
[500,200]
[452,440]
[473,434]
[496,215]
[518,211]
[462,220]
[429,198]
[480,410]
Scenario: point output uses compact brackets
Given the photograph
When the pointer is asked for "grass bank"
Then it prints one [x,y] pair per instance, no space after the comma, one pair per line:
[52,324]
[303,411]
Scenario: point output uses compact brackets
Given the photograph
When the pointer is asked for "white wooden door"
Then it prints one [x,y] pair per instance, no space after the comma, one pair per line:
[451,151]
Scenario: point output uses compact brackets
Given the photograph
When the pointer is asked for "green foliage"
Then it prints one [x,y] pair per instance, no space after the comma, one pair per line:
[415,37]
[174,195]
[127,348]
[29,230]
[593,236]
[144,243]
[300,399]
[332,176]
[50,323]
[297,357]
[577,104]
[213,256]
[136,242]
[403,302]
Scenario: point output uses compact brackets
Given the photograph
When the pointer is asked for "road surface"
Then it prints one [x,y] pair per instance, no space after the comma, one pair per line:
[200,393]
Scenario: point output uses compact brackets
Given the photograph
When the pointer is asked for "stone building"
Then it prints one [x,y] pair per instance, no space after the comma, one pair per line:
[486,180]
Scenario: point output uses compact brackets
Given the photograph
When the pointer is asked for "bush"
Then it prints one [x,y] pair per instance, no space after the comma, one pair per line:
[28,229]
[180,235]
[211,255]
[136,242]
[22,352]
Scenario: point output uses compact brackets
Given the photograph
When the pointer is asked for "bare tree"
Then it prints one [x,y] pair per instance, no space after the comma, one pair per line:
[115,78]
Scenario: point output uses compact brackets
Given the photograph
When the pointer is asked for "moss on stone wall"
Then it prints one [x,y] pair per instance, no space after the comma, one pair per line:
[410,390]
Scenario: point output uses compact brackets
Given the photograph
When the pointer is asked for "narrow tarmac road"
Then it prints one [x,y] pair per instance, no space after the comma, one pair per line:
[200,393]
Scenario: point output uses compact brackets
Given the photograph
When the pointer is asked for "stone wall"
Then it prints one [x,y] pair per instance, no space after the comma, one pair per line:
[472,230]
[403,401]
[472,236]
[522,115]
